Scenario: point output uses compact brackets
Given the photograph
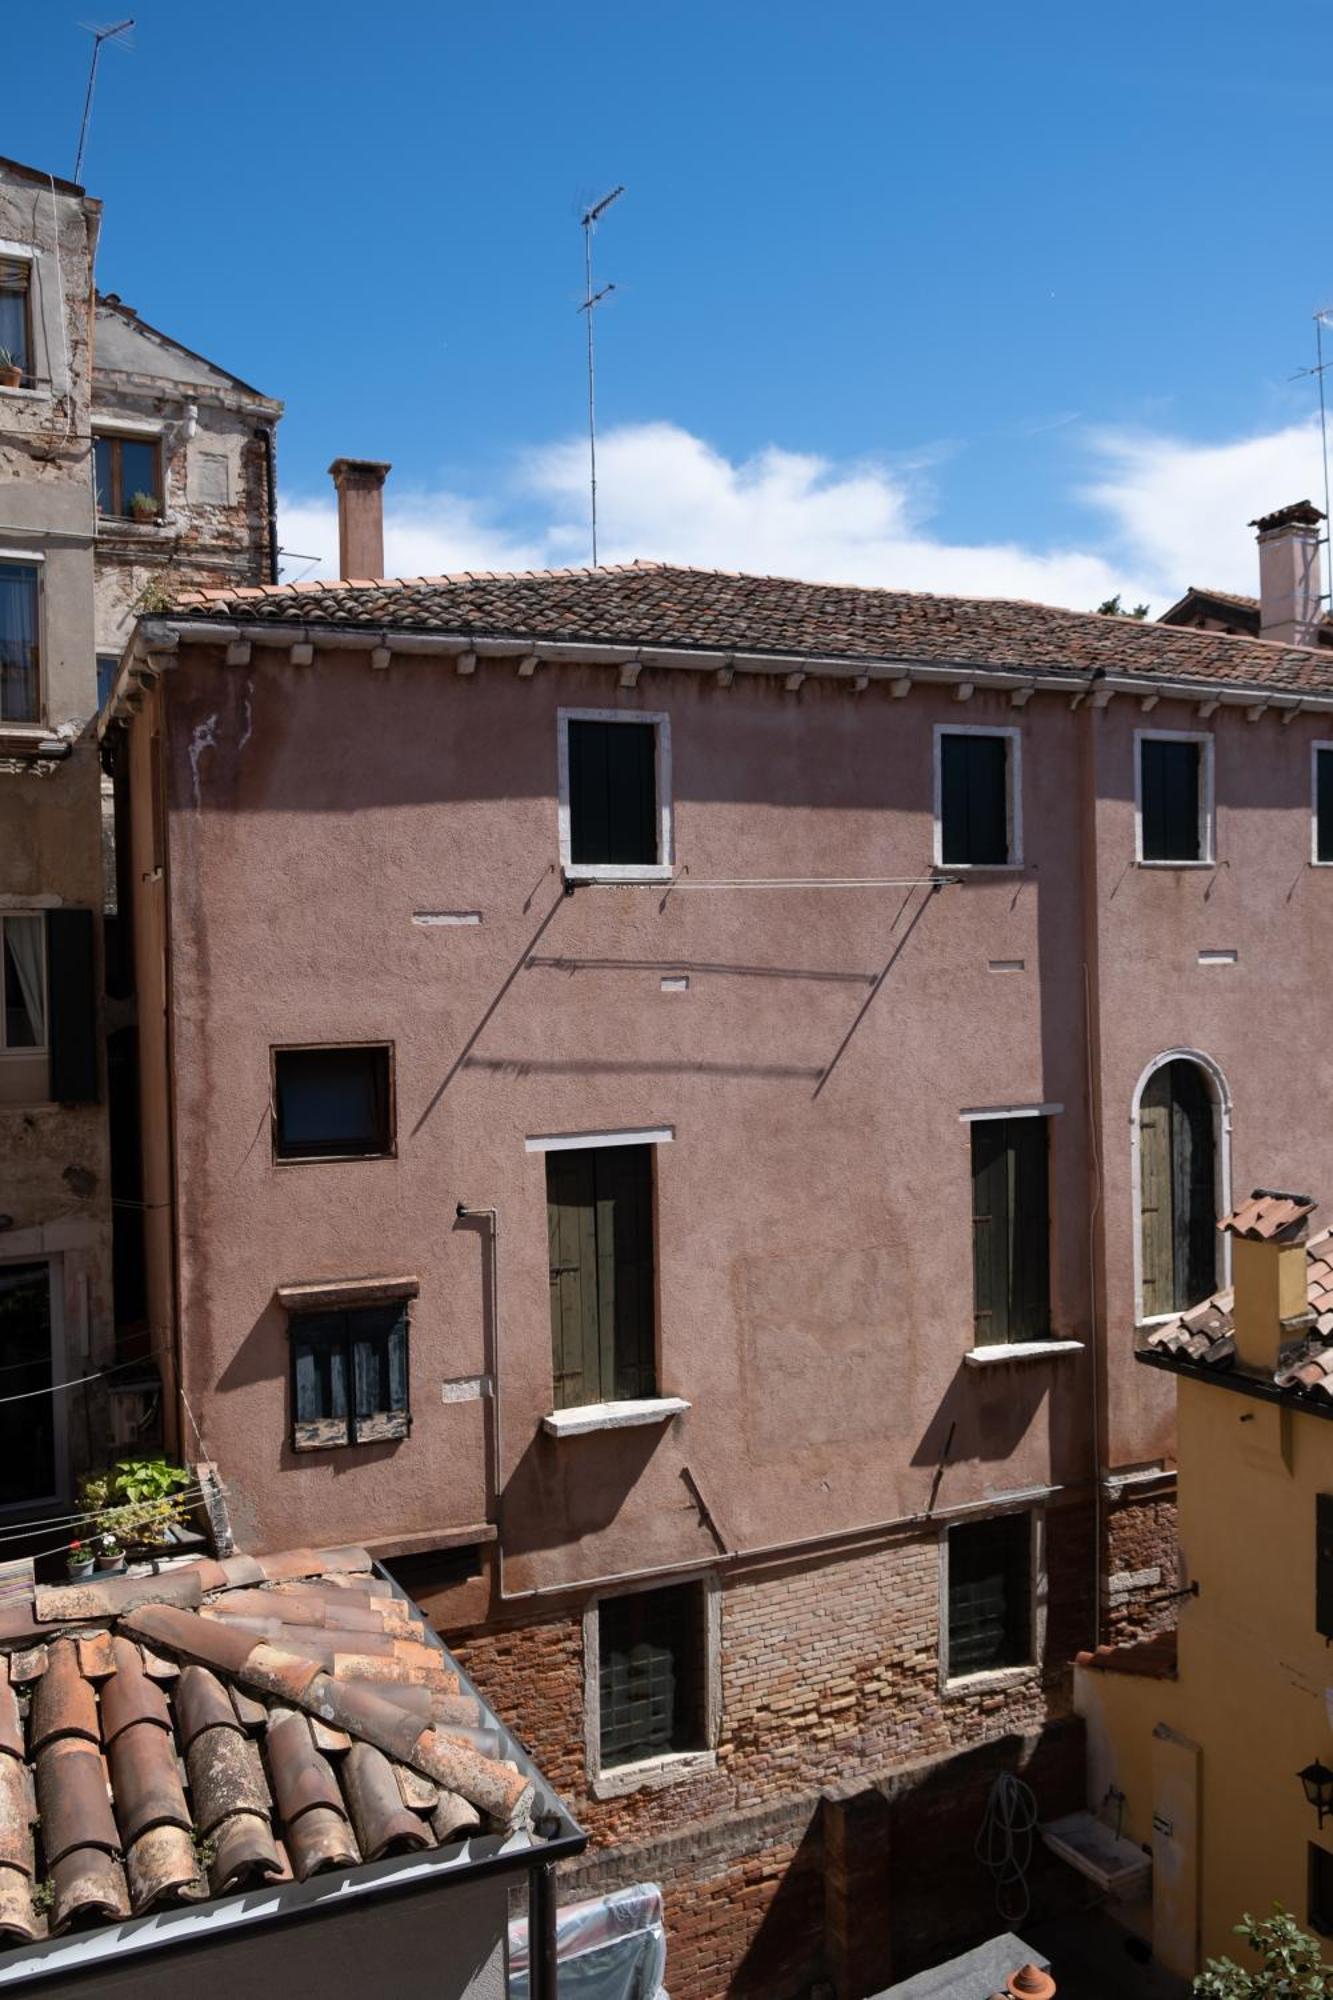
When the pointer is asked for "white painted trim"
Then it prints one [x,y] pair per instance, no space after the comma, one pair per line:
[998,1351]
[1219,957]
[29,252]
[443,919]
[677,1766]
[976,1113]
[1322,744]
[1013,782]
[1221,1096]
[150,429]
[22,555]
[1207,805]
[1037,1588]
[585,1417]
[571,1142]
[583,871]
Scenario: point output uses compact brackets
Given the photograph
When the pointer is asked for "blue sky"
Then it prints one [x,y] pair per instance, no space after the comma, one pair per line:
[969,297]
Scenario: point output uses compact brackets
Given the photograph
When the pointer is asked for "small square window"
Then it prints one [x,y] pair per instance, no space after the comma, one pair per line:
[129,477]
[16,317]
[20,654]
[613,783]
[976,820]
[332,1103]
[990,1595]
[1323,802]
[349,1377]
[1174,815]
[652,1665]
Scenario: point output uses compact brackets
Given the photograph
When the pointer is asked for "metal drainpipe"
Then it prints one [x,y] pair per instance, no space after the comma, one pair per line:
[465,1213]
[541,1933]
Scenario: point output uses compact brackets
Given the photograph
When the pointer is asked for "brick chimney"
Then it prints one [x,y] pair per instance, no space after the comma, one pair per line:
[360,484]
[1268,1273]
[1289,579]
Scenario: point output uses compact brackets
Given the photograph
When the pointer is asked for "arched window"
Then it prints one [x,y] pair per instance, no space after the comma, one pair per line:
[1178,1187]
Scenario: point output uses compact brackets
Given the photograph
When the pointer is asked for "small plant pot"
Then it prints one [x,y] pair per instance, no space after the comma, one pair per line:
[144,515]
[112,1565]
[79,1572]
[10,378]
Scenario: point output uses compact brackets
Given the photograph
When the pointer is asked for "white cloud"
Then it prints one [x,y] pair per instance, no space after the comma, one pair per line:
[1175,512]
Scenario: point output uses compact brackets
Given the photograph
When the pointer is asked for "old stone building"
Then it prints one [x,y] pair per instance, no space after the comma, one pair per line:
[125,462]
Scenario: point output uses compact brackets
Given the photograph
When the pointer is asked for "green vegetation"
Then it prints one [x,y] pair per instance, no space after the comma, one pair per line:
[1291,1968]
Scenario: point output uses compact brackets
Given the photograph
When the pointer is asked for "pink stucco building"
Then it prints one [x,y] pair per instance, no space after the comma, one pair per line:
[666,1097]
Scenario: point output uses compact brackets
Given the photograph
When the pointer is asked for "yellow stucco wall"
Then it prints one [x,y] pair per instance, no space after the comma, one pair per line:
[1255,1674]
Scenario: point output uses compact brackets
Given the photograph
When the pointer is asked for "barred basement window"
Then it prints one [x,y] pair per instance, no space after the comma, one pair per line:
[990,1595]
[332,1103]
[349,1376]
[652,1653]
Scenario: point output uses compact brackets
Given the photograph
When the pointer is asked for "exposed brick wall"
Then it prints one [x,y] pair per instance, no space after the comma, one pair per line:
[1142,1567]
[830,1679]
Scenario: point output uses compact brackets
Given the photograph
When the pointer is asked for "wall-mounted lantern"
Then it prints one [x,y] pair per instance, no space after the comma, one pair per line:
[1318,1782]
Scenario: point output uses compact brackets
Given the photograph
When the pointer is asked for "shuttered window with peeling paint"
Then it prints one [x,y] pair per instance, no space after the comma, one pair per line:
[349,1376]
[1177,1189]
[600,1227]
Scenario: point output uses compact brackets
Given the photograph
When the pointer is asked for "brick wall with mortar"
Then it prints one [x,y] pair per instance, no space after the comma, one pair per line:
[1142,1566]
[830,1676]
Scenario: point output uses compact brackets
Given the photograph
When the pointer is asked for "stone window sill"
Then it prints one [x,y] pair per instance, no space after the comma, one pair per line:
[997,1352]
[994,1677]
[613,1416]
[653,1773]
[27,395]
[610,871]
[1142,863]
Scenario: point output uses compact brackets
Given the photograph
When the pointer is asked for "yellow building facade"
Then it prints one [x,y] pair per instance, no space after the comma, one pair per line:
[1201,1765]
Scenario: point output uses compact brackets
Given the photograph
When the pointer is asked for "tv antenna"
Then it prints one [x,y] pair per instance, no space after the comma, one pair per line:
[591,301]
[99,36]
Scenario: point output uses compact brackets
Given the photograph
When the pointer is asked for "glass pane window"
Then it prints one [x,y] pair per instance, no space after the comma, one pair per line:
[990,1595]
[16,316]
[349,1376]
[23,990]
[651,1668]
[332,1103]
[19,647]
[129,476]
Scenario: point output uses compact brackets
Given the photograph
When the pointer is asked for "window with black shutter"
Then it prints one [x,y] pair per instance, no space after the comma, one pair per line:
[1320,1917]
[1011,1227]
[1323,1565]
[1178,1199]
[975,808]
[332,1103]
[349,1376]
[71,981]
[1171,799]
[599,1202]
[652,1649]
[613,802]
[1323,804]
[990,1595]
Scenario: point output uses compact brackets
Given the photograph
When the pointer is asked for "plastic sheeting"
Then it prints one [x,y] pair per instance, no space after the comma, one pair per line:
[611,1948]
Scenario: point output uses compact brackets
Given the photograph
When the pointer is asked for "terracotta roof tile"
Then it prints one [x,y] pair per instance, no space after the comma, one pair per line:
[1269,1214]
[663,607]
[1154,1657]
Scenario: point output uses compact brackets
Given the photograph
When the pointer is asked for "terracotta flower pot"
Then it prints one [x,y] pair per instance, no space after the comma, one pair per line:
[10,378]
[112,1565]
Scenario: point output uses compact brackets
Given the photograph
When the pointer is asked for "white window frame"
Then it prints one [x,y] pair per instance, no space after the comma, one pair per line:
[572,1142]
[673,1767]
[1037,1592]
[37,1051]
[590,871]
[1326,745]
[1207,812]
[25,559]
[1013,791]
[1221,1096]
[55,1278]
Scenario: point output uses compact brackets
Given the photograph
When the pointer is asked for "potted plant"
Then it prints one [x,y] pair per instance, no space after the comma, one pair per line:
[143,507]
[110,1554]
[11,369]
[79,1560]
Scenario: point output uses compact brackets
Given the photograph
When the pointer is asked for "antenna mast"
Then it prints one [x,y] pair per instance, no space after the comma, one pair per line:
[591,300]
[99,36]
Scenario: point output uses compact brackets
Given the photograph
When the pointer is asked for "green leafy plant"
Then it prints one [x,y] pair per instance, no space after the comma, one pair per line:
[157,595]
[143,504]
[8,359]
[136,1500]
[1292,1967]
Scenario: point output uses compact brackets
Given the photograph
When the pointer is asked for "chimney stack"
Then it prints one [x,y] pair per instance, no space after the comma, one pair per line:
[1268,1274]
[1290,606]
[360,484]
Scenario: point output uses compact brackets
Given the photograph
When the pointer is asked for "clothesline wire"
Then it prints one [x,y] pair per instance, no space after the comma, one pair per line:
[16,1531]
[74,1381]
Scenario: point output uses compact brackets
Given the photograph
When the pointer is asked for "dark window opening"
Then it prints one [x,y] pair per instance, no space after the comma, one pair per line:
[613,794]
[1011,1230]
[599,1205]
[990,1595]
[1177,1189]
[652,1665]
[332,1103]
[23,989]
[429,1571]
[974,800]
[27,1428]
[1323,805]
[1321,1890]
[349,1377]
[20,657]
[1323,1576]
[108,665]
[129,477]
[16,317]
[1169,797]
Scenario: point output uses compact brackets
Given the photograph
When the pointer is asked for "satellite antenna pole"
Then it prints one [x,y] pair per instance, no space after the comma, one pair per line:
[591,300]
[99,36]
[1319,321]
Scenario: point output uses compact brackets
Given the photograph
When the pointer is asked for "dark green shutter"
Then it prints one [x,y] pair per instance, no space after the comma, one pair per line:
[1177,1189]
[600,1234]
[1323,804]
[990,1231]
[71,1006]
[1323,1573]
[613,793]
[1169,799]
[974,800]
[1010,1230]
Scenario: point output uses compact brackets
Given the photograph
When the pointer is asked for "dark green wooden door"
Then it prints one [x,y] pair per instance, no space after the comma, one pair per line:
[599,1203]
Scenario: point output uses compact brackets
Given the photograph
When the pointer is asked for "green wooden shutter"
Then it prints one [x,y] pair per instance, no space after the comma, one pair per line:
[1155,1196]
[1194,1195]
[974,799]
[613,793]
[990,1231]
[625,1270]
[1323,804]
[1323,1575]
[71,1006]
[1169,799]
[571,1230]
[589,797]
[1030,1210]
